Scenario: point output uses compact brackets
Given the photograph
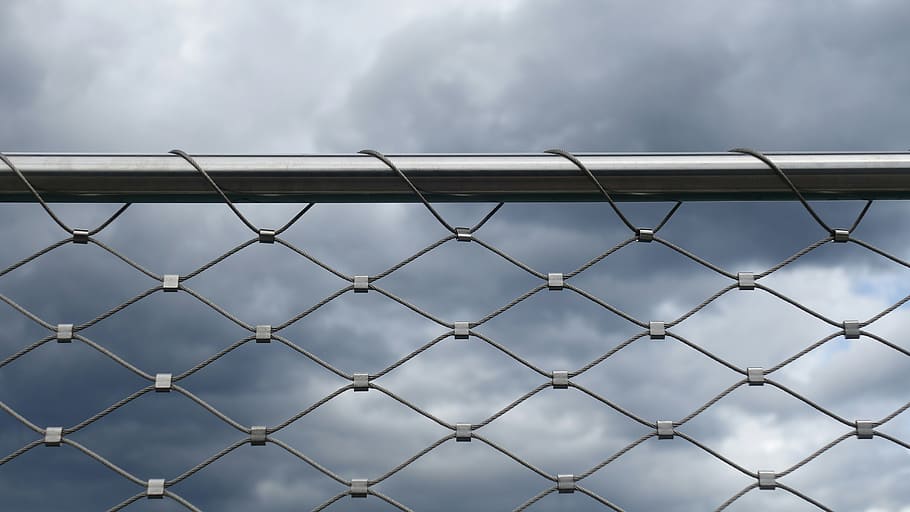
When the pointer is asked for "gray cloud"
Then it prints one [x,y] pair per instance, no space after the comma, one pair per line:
[610,77]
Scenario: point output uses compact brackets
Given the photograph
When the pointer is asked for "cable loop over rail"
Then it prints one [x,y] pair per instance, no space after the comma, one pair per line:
[382,158]
[783,176]
[78,235]
[192,161]
[572,158]
[455,231]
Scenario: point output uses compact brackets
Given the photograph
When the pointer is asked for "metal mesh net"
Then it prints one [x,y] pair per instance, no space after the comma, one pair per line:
[460,332]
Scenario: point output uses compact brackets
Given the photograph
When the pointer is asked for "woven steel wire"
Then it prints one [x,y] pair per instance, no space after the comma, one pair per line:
[348,382]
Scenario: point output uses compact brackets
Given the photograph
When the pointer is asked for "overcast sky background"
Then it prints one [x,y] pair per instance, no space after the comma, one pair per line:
[451,76]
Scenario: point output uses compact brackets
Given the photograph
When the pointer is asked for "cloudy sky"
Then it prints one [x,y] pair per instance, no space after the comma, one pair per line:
[454,76]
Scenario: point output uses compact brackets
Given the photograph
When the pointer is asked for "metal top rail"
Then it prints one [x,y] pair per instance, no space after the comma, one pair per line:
[455,177]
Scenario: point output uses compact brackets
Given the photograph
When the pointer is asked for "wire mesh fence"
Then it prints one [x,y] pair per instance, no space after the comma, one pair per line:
[550,377]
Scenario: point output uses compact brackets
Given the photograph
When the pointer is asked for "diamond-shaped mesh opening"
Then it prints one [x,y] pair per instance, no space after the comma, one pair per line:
[361,332]
[385,434]
[832,377]
[177,329]
[645,280]
[485,381]
[261,384]
[763,428]
[460,278]
[265,283]
[559,330]
[677,382]
[752,328]
[563,431]
[837,280]
[158,434]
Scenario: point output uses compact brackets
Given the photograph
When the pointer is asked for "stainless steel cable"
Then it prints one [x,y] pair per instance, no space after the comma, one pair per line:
[570,157]
[26,350]
[389,500]
[293,451]
[893,439]
[202,465]
[703,407]
[799,254]
[615,456]
[598,498]
[186,504]
[410,460]
[735,497]
[330,501]
[701,261]
[127,502]
[815,454]
[803,496]
[780,173]
[395,169]
[543,494]
[46,250]
[885,342]
[512,456]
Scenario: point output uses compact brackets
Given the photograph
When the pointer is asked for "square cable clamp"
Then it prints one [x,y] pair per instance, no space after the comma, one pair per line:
[361,284]
[745,280]
[359,488]
[80,236]
[766,480]
[53,436]
[462,330]
[163,382]
[755,376]
[463,432]
[555,281]
[665,429]
[864,429]
[851,329]
[257,435]
[361,382]
[560,379]
[263,333]
[657,330]
[565,484]
[267,236]
[155,489]
[64,333]
[171,282]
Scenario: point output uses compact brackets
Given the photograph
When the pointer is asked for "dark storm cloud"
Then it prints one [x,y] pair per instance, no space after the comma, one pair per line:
[522,77]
